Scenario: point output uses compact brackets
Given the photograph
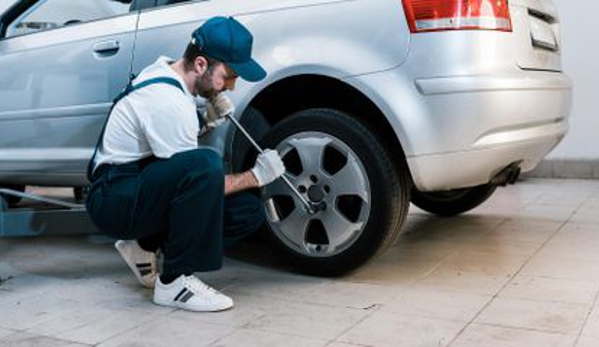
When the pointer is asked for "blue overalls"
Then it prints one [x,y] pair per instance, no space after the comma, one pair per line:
[175,204]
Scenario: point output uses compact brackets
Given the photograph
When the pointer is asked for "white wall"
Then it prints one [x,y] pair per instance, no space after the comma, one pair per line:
[580,32]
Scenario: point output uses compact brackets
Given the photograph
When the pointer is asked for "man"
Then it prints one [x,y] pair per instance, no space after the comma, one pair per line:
[153,186]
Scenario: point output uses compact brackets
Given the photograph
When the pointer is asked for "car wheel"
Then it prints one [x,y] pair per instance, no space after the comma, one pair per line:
[452,202]
[11,199]
[333,158]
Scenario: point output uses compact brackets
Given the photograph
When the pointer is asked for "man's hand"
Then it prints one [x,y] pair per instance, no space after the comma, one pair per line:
[217,108]
[268,167]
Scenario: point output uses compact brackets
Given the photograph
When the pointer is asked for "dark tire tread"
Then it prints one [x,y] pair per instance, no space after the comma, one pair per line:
[395,177]
[454,202]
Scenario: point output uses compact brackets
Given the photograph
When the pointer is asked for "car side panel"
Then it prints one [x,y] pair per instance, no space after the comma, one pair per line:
[333,38]
[55,96]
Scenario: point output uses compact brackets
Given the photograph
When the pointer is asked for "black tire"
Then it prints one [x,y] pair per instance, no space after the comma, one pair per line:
[11,199]
[452,202]
[389,186]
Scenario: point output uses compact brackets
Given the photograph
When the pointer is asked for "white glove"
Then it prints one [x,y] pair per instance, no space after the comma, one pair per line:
[268,167]
[217,108]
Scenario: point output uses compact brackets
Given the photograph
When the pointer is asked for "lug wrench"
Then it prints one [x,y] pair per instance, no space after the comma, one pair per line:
[311,207]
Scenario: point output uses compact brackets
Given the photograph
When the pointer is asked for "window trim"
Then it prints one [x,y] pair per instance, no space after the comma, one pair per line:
[14,12]
[158,6]
[22,7]
[139,5]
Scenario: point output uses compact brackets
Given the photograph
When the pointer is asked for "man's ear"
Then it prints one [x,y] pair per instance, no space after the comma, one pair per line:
[201,65]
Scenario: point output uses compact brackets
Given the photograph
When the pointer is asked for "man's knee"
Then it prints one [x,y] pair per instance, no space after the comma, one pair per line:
[205,161]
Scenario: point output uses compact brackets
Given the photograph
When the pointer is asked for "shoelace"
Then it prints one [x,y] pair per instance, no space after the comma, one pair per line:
[197,286]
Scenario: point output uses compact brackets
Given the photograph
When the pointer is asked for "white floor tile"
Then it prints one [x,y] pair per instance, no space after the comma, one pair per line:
[591,328]
[478,335]
[551,289]
[587,341]
[473,272]
[23,339]
[437,304]
[307,320]
[554,317]
[5,332]
[524,266]
[170,332]
[392,330]
[352,295]
[255,338]
[547,264]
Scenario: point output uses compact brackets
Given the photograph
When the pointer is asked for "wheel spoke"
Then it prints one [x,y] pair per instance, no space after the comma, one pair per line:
[350,181]
[278,187]
[294,227]
[338,228]
[311,152]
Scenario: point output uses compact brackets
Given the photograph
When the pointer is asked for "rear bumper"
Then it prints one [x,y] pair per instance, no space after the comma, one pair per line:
[524,118]
[461,131]
[470,168]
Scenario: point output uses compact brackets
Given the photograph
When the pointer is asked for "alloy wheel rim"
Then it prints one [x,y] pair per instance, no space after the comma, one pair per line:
[323,168]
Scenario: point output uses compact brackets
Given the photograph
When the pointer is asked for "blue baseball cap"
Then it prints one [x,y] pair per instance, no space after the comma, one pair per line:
[228,41]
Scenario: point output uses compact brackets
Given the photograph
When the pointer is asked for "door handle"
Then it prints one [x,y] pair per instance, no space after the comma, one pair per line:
[110,46]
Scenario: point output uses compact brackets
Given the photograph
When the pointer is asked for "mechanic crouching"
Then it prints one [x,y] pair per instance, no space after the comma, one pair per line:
[154,189]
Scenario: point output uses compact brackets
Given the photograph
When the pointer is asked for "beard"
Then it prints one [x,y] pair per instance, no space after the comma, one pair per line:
[204,86]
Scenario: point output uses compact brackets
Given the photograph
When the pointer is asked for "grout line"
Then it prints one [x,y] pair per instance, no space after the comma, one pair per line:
[586,320]
[496,295]
[345,331]
[526,329]
[590,310]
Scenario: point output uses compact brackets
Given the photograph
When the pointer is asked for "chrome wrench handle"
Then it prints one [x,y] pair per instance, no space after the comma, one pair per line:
[299,195]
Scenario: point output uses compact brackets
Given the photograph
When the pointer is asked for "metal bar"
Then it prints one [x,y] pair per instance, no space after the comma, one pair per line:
[40,198]
[305,202]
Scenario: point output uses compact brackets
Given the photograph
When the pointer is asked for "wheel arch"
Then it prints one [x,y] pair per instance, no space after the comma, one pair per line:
[291,94]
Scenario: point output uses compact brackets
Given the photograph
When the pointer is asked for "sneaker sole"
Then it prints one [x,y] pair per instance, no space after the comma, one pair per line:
[120,248]
[184,306]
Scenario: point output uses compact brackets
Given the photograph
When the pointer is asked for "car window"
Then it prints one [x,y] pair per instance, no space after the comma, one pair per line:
[50,14]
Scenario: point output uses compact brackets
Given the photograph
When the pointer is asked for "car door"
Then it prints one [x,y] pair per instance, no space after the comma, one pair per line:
[61,64]
[166,27]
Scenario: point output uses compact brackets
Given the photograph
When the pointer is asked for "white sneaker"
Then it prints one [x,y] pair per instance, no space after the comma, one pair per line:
[189,293]
[142,263]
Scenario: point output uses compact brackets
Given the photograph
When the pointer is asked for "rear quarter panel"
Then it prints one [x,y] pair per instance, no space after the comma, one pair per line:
[333,38]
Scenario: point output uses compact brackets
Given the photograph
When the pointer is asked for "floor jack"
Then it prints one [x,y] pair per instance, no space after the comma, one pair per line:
[38,215]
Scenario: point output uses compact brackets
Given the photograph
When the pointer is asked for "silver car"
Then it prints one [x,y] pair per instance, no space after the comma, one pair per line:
[372,103]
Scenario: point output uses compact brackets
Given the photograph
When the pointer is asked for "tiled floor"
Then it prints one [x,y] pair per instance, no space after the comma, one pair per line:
[522,270]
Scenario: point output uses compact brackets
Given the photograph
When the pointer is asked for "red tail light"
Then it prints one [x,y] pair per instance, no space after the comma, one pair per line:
[438,15]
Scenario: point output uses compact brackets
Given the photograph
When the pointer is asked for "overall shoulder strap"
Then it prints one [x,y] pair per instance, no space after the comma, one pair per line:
[130,88]
[164,80]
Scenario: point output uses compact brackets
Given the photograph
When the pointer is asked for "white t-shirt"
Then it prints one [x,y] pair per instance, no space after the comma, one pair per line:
[157,120]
